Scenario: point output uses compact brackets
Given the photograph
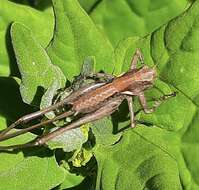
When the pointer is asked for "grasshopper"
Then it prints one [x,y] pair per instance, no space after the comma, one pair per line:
[93,102]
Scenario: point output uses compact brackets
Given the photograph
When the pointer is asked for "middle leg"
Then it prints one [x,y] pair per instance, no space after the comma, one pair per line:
[130,105]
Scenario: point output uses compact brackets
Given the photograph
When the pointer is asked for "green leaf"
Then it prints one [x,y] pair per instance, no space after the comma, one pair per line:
[33,172]
[121,19]
[36,169]
[76,37]
[71,180]
[35,66]
[41,25]
[170,142]
[180,68]
[69,140]
[136,163]
[103,131]
[190,147]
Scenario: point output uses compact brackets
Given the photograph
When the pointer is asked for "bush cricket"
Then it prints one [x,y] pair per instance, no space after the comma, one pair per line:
[93,102]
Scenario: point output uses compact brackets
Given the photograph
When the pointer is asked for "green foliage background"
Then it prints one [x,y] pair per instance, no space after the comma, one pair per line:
[42,47]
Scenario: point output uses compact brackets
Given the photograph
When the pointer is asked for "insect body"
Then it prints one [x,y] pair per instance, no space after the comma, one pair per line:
[93,102]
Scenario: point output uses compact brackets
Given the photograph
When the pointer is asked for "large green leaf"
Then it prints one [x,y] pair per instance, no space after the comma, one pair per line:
[41,25]
[119,19]
[135,163]
[34,64]
[36,169]
[32,172]
[75,38]
[190,149]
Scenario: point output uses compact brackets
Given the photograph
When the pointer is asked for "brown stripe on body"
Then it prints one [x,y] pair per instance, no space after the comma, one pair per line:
[90,101]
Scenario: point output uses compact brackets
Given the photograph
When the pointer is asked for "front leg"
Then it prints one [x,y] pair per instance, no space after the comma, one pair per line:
[157,103]
[137,56]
